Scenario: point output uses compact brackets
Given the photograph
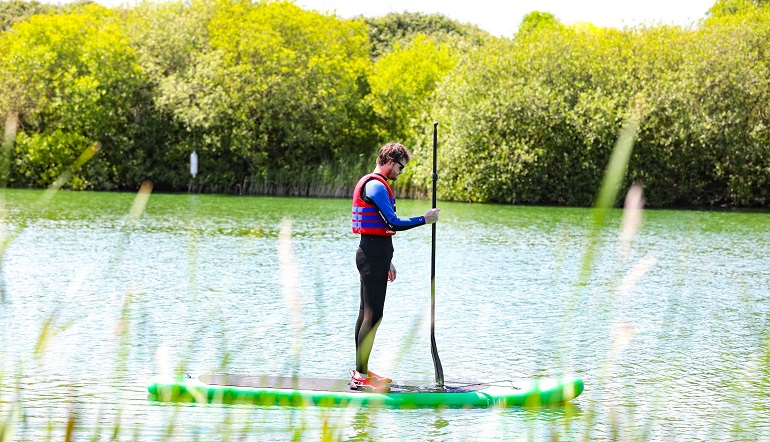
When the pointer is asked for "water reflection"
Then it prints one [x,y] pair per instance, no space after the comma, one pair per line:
[439,430]
[362,426]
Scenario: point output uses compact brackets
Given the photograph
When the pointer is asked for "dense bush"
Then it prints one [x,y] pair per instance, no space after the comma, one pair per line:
[17,11]
[258,90]
[275,99]
[400,29]
[534,119]
[398,99]
[74,80]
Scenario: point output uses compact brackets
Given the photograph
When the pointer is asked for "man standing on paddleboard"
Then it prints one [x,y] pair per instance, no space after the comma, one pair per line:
[374,218]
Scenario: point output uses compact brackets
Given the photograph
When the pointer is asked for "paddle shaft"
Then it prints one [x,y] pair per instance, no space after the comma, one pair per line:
[434,351]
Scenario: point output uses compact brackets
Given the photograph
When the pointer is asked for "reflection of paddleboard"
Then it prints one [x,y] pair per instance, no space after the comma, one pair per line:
[265,390]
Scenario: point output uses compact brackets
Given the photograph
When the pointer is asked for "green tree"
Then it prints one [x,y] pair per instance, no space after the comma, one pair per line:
[295,81]
[538,115]
[15,11]
[537,20]
[731,100]
[171,40]
[72,78]
[404,80]
[729,7]
[398,29]
[533,119]
[264,92]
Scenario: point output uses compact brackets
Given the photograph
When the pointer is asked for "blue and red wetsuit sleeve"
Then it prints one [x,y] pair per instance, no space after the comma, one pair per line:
[376,194]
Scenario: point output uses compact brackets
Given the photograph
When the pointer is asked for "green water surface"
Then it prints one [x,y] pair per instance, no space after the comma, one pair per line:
[668,328]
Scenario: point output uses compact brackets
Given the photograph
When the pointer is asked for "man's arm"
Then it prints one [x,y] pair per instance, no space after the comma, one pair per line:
[376,194]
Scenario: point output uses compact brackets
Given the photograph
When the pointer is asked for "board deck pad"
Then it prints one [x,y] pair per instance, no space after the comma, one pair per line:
[334,385]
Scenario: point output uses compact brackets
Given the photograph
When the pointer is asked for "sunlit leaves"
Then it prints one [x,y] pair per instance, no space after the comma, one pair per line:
[728,7]
[535,118]
[401,28]
[265,91]
[537,21]
[280,83]
[404,79]
[70,77]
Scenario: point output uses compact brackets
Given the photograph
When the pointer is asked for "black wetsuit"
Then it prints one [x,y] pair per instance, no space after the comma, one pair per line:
[373,262]
[373,259]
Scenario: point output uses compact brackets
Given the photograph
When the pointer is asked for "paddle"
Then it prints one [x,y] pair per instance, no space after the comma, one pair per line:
[433,349]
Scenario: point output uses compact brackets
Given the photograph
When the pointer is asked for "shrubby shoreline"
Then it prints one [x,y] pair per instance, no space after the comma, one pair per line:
[276,100]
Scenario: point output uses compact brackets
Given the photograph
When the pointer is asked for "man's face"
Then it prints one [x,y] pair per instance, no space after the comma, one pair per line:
[396,168]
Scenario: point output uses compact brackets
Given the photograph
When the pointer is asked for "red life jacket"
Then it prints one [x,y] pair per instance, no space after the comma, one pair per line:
[366,217]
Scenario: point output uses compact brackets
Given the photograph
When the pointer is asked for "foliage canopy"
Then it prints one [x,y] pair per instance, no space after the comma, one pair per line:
[276,99]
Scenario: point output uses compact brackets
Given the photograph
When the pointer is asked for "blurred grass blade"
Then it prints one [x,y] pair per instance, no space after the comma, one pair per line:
[140,201]
[50,327]
[72,418]
[288,273]
[632,278]
[616,169]
[9,136]
[613,178]
[632,219]
[8,425]
[86,155]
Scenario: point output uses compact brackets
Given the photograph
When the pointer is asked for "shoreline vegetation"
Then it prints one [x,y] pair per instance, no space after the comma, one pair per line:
[277,100]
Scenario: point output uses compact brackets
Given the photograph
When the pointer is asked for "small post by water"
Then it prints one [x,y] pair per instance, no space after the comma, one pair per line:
[193,164]
[193,169]
[9,136]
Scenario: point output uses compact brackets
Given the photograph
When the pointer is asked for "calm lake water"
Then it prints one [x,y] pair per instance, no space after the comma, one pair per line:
[669,329]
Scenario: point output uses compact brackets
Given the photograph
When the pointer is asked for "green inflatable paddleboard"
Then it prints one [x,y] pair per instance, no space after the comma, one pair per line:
[266,390]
